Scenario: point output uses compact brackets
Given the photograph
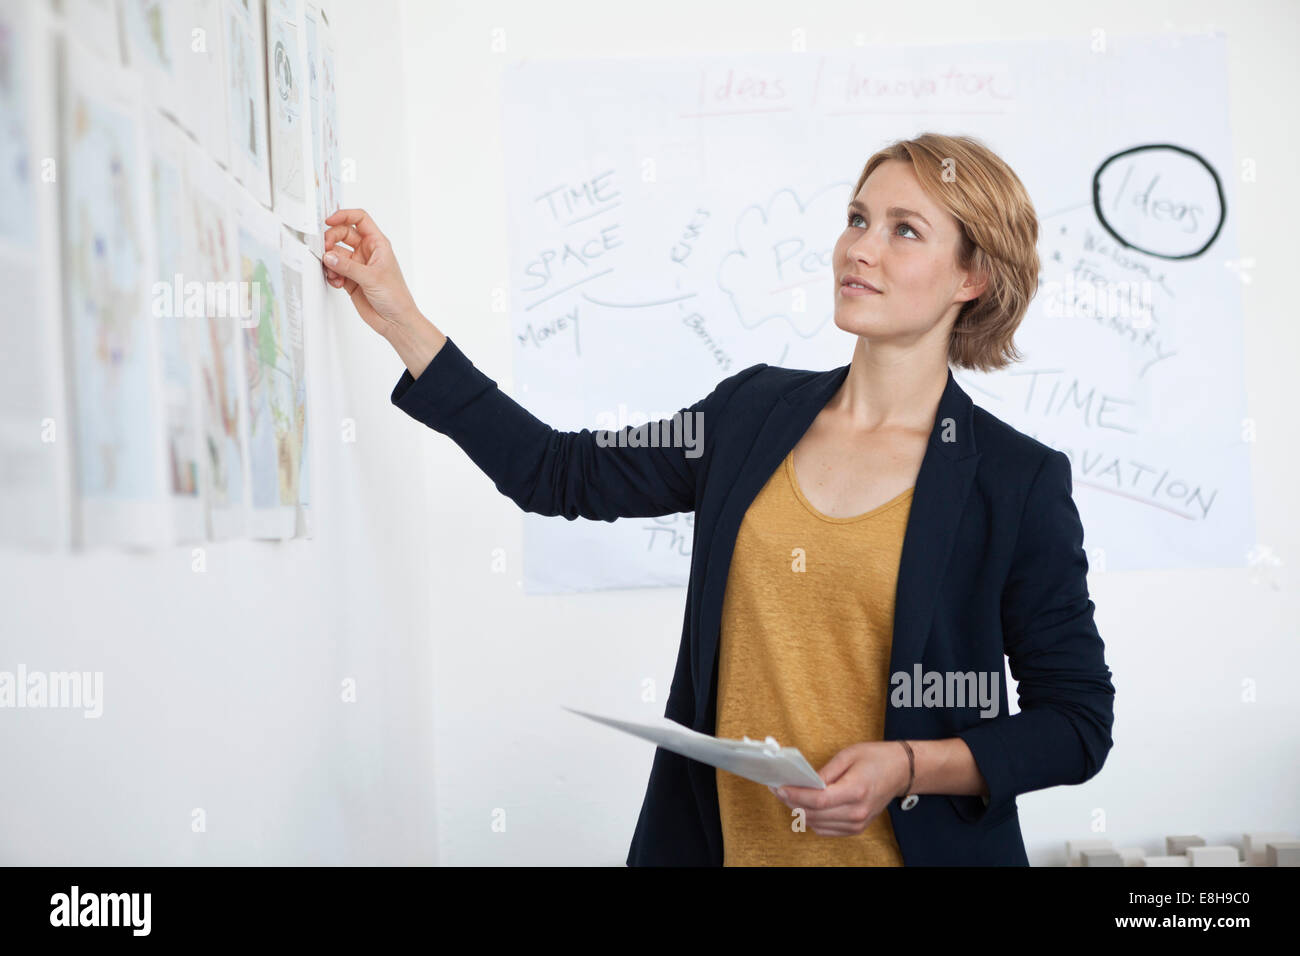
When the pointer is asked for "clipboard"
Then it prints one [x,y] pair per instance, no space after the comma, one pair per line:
[764,761]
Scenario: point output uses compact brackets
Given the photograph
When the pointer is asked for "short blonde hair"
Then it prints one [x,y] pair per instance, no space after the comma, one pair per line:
[999,238]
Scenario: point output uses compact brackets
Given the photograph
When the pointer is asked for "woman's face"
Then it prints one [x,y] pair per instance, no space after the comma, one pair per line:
[897,239]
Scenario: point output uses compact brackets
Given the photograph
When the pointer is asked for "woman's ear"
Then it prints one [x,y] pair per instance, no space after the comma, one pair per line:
[974,285]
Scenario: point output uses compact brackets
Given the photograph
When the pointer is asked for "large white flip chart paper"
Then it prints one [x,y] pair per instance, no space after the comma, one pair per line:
[672,222]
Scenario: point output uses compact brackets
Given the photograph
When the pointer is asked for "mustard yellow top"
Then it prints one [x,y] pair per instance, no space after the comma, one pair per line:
[807,626]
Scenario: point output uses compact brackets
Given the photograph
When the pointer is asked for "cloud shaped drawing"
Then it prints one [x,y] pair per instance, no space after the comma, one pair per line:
[781,246]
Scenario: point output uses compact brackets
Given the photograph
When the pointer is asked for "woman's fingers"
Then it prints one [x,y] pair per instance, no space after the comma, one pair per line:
[358,218]
[351,226]
[347,233]
[368,270]
[335,262]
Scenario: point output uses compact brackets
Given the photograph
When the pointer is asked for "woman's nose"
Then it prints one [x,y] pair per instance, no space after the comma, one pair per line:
[865,247]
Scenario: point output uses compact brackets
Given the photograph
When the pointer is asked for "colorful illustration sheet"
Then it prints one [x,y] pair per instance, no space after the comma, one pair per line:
[213,255]
[326,168]
[303,283]
[272,347]
[288,79]
[154,35]
[35,434]
[107,266]
[246,97]
[173,297]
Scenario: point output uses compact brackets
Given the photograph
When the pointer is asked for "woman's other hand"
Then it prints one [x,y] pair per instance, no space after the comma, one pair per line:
[860,782]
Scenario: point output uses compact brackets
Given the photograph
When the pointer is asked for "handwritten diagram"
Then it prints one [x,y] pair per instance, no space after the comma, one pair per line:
[674,223]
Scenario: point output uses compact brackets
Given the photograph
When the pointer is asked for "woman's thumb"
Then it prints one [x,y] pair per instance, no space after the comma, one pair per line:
[348,267]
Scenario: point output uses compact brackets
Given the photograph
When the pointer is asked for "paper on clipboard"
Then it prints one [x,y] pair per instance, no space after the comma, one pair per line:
[765,762]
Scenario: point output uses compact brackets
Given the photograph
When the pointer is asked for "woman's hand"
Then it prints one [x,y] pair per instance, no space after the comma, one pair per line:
[860,782]
[368,271]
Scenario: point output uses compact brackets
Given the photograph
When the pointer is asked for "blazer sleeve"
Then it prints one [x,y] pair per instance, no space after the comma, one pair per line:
[1061,734]
[582,474]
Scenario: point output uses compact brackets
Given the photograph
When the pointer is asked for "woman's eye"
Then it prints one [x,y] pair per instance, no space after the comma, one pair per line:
[902,225]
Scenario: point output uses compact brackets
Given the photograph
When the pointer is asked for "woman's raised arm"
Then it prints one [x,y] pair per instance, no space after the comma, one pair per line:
[645,471]
[599,475]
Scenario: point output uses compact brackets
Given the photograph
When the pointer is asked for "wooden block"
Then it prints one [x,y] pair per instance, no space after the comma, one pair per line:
[1176,845]
[1213,855]
[1131,855]
[1074,847]
[1283,853]
[1100,857]
[1256,849]
[1166,861]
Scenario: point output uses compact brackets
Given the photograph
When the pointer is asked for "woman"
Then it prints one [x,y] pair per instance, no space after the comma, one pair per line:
[868,542]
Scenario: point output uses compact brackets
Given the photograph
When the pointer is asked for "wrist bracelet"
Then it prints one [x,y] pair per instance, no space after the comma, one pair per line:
[911,766]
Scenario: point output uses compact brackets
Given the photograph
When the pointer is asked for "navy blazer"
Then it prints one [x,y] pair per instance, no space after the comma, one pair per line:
[992,563]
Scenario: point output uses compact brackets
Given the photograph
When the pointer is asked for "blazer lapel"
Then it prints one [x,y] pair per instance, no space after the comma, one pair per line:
[942,486]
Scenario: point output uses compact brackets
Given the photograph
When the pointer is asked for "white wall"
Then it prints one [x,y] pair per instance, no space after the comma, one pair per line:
[222,689]
[1189,757]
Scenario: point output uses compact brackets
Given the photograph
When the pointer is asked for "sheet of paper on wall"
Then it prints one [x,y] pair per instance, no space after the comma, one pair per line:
[299,271]
[267,369]
[288,77]
[246,97]
[314,292]
[94,23]
[204,69]
[153,41]
[213,254]
[107,273]
[327,173]
[764,761]
[35,482]
[175,307]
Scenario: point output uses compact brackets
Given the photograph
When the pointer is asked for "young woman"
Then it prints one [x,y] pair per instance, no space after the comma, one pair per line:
[869,543]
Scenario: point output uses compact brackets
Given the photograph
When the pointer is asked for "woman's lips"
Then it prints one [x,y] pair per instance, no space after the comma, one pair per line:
[849,290]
